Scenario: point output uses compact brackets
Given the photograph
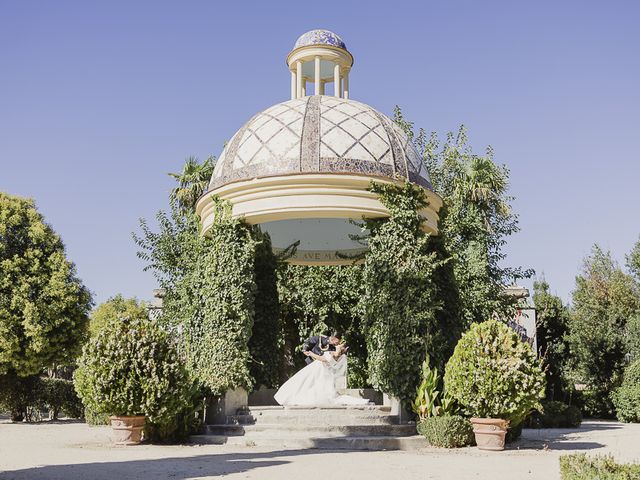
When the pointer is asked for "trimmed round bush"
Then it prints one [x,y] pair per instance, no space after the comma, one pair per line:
[555,415]
[494,374]
[626,398]
[131,368]
[451,431]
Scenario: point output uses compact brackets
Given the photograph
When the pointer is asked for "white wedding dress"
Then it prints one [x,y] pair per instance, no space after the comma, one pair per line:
[315,385]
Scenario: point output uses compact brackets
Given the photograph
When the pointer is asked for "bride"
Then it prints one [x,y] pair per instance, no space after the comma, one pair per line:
[315,384]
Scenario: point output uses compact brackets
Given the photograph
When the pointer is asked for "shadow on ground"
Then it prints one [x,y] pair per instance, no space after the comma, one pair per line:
[175,468]
[562,438]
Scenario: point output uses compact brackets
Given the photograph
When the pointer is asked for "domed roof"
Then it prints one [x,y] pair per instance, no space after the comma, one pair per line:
[319,37]
[319,134]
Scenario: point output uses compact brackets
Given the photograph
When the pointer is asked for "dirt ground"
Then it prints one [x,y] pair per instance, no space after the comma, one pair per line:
[75,451]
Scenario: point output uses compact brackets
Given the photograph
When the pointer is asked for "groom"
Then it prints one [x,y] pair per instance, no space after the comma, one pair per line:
[318,344]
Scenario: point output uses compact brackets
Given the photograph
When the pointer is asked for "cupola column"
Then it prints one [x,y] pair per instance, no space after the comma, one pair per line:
[316,65]
[299,78]
[294,86]
[345,81]
[336,80]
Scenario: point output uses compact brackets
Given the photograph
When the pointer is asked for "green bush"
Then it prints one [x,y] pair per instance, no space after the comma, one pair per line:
[93,418]
[21,396]
[493,374]
[449,431]
[131,368]
[555,414]
[59,395]
[581,467]
[626,398]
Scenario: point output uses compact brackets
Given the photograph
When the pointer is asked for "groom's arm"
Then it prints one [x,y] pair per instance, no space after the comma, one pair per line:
[310,343]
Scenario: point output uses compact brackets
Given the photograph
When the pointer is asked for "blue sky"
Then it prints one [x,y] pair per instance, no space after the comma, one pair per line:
[99,100]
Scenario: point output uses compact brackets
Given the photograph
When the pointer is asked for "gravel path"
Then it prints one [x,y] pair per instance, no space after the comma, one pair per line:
[75,451]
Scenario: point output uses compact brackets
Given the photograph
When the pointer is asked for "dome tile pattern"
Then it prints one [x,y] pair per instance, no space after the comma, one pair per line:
[319,37]
[319,134]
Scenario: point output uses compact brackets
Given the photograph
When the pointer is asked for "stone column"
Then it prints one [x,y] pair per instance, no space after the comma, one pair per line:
[316,69]
[336,80]
[299,78]
[294,86]
[220,408]
[346,85]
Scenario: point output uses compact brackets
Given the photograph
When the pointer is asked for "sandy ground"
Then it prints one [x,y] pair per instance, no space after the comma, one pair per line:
[75,451]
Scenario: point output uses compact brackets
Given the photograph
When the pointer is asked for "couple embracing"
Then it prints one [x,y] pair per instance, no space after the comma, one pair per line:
[316,384]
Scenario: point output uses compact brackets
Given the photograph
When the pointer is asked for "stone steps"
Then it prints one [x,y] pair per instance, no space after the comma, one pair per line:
[376,442]
[312,430]
[357,427]
[315,416]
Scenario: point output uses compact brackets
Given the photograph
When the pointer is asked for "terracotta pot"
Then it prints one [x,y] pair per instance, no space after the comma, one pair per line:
[490,432]
[127,430]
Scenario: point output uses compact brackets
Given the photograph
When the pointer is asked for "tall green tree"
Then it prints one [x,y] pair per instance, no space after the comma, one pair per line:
[43,305]
[115,309]
[552,318]
[399,302]
[475,221]
[604,300]
[193,181]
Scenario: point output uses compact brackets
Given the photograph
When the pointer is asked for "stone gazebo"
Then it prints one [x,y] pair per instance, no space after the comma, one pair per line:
[301,170]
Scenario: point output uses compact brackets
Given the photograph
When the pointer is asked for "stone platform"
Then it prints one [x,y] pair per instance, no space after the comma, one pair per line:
[362,427]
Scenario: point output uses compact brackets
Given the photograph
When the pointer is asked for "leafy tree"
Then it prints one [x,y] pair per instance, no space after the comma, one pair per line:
[552,318]
[475,220]
[209,284]
[320,299]
[604,299]
[193,181]
[399,301]
[633,261]
[43,304]
[114,309]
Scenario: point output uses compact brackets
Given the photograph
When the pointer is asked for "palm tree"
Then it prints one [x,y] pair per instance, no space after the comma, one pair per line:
[193,181]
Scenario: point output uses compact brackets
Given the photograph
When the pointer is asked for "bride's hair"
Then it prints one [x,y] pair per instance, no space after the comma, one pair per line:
[341,349]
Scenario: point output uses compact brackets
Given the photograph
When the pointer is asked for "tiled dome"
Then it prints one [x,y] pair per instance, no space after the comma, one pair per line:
[319,37]
[319,134]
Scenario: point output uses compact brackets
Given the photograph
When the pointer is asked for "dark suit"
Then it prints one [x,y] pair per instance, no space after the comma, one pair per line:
[317,344]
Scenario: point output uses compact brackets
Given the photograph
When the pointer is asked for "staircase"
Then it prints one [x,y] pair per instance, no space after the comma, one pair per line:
[362,427]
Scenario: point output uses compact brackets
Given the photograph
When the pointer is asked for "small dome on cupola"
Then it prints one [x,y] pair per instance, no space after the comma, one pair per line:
[319,37]
[301,169]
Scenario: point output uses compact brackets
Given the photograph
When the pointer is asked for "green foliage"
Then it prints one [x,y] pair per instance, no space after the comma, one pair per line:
[193,181]
[493,374]
[131,368]
[579,466]
[604,299]
[26,398]
[555,414]
[21,396]
[475,221]
[43,305]
[632,336]
[626,398]
[430,400]
[59,395]
[115,309]
[399,301]
[449,431]
[552,318]
[317,300]
[210,287]
[265,343]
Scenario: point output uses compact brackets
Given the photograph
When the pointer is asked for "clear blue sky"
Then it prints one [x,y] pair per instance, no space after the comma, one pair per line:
[99,100]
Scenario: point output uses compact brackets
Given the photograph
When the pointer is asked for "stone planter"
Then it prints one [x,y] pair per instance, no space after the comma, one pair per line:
[127,430]
[490,432]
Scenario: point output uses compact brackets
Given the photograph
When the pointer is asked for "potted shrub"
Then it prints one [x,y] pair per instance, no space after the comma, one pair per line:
[496,379]
[131,372]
